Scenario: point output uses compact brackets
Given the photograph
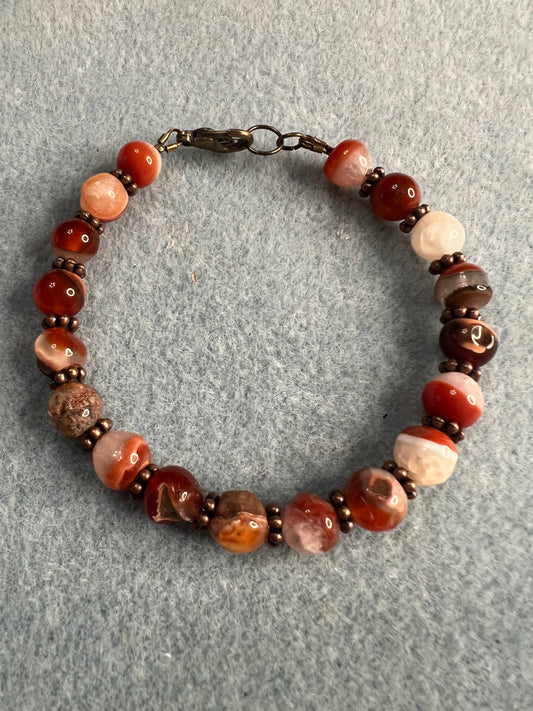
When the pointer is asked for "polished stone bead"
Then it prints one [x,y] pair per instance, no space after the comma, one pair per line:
[75,239]
[376,499]
[348,164]
[74,407]
[463,286]
[240,522]
[59,292]
[455,397]
[173,495]
[141,161]
[310,524]
[467,339]
[428,454]
[395,196]
[58,348]
[104,197]
[118,457]
[436,234]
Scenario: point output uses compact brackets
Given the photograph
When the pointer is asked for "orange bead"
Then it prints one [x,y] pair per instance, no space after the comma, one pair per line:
[104,197]
[57,348]
[348,164]
[240,523]
[141,161]
[59,292]
[118,457]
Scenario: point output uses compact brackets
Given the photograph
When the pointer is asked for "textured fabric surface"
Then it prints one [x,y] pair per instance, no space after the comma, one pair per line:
[296,357]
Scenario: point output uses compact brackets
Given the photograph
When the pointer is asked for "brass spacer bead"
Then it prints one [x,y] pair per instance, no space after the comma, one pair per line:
[343,513]
[336,498]
[451,366]
[347,526]
[105,424]
[275,523]
[458,258]
[69,322]
[389,466]
[275,538]
[136,488]
[209,506]
[400,473]
[273,509]
[93,221]
[458,437]
[87,443]
[409,487]
[451,428]
[203,519]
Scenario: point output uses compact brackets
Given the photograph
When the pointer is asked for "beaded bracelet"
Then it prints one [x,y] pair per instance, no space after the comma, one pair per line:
[373,498]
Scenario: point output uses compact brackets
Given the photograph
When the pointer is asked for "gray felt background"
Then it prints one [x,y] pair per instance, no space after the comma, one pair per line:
[296,357]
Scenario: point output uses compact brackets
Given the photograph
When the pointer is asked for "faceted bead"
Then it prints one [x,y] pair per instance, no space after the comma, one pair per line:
[74,407]
[455,397]
[428,454]
[437,233]
[118,457]
[467,339]
[75,239]
[240,522]
[376,499]
[395,196]
[173,495]
[463,286]
[310,524]
[104,197]
[59,293]
[141,161]
[348,164]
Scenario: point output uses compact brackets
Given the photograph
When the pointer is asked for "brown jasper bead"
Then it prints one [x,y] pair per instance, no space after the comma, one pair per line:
[468,340]
[240,523]
[74,407]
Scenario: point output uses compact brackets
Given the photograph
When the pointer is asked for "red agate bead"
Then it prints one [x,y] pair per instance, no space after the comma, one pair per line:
[118,457]
[173,495]
[59,293]
[57,348]
[463,286]
[141,161]
[376,499]
[395,196]
[310,524]
[467,339]
[455,397]
[348,163]
[75,239]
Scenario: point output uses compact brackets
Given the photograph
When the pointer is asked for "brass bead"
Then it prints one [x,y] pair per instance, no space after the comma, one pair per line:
[435,267]
[458,258]
[60,378]
[95,433]
[275,523]
[136,488]
[74,324]
[475,374]
[209,505]
[343,513]
[202,519]
[105,424]
[273,509]
[275,538]
[389,465]
[145,475]
[400,474]
[459,437]
[347,526]
[63,321]
[411,220]
[451,428]
[336,497]
[87,443]
[72,372]
[465,368]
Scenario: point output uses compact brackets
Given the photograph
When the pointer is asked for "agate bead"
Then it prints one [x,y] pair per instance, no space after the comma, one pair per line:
[58,348]
[395,196]
[118,457]
[75,239]
[467,339]
[454,397]
[104,197]
[463,286]
[240,522]
[376,499]
[74,407]
[437,233]
[59,293]
[310,524]
[173,495]
[348,164]
[429,455]
[141,161]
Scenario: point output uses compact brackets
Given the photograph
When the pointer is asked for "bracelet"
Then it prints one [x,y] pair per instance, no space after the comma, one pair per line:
[374,498]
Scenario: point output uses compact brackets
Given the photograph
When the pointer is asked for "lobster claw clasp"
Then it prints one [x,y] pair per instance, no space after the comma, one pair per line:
[230,141]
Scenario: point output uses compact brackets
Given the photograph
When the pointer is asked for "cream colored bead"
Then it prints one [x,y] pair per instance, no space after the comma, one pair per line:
[429,456]
[437,233]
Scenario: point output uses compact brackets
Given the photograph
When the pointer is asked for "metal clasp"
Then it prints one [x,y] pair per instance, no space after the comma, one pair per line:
[231,140]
